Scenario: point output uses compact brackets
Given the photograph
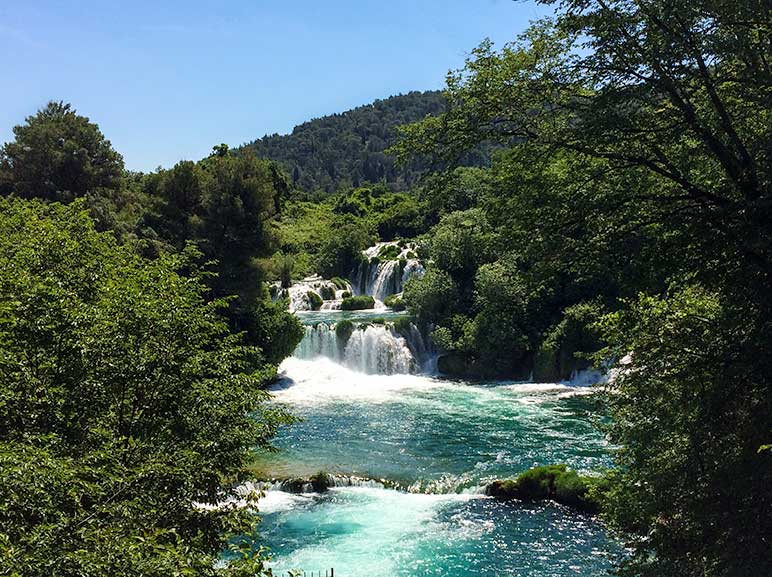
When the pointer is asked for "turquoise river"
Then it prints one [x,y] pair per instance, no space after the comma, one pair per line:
[435,443]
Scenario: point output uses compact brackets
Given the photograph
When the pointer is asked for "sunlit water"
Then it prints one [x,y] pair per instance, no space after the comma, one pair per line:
[441,441]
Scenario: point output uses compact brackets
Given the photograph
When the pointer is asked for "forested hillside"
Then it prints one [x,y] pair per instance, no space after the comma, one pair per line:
[348,149]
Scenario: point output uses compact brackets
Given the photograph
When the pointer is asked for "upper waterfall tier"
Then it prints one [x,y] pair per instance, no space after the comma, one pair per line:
[386,269]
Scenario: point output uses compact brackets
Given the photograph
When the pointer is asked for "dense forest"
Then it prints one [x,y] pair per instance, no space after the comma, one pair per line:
[594,194]
[349,149]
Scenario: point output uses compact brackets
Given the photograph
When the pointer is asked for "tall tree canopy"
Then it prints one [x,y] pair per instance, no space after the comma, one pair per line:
[58,155]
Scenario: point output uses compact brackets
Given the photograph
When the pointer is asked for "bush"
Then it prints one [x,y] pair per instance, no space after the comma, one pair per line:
[394,302]
[357,303]
[83,491]
[314,300]
[346,294]
[537,483]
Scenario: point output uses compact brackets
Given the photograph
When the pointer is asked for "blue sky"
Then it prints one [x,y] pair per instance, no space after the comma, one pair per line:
[167,80]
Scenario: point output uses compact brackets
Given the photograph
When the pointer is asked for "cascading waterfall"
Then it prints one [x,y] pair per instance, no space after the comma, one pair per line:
[381,278]
[374,349]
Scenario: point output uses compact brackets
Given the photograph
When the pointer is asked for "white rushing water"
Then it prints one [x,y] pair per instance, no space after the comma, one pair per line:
[385,277]
[370,349]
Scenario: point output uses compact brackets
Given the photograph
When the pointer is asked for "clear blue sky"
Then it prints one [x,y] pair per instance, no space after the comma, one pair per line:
[168,79]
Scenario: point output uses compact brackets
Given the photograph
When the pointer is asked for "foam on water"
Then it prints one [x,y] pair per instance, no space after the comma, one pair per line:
[322,380]
[379,533]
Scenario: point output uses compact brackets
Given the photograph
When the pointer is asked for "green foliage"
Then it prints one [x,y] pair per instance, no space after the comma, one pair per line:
[389,252]
[58,155]
[402,325]
[395,303]
[341,253]
[339,283]
[125,401]
[345,294]
[314,300]
[344,150]
[357,303]
[343,331]
[327,293]
[432,296]
[691,369]
[635,177]
[555,482]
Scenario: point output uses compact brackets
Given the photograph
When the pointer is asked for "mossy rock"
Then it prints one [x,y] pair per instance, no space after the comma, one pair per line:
[327,292]
[395,303]
[357,303]
[506,489]
[321,481]
[389,252]
[339,283]
[343,332]
[345,295]
[402,325]
[553,482]
[314,300]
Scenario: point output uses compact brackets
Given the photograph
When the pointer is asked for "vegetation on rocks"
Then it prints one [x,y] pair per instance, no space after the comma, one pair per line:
[357,303]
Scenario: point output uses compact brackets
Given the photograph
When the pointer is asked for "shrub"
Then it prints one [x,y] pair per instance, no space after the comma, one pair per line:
[346,294]
[394,302]
[357,303]
[314,300]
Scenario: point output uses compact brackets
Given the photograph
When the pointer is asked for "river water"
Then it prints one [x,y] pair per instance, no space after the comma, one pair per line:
[436,443]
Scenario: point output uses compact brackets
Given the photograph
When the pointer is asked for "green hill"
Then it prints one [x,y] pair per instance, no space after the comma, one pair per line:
[347,149]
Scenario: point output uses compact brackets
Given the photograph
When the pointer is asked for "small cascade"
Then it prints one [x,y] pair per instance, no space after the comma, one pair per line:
[303,293]
[307,485]
[378,350]
[375,349]
[386,269]
[319,341]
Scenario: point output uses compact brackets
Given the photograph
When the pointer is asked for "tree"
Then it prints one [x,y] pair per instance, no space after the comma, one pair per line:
[659,113]
[58,155]
[129,411]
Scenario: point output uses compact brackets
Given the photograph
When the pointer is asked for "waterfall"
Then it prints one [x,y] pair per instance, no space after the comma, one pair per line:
[298,294]
[381,278]
[372,349]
